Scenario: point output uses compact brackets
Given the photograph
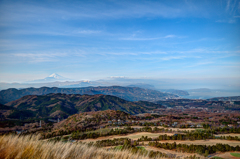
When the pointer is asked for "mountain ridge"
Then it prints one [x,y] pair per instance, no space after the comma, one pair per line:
[127,93]
[63,105]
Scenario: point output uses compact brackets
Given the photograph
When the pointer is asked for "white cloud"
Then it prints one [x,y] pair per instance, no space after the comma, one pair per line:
[172,58]
[36,12]
[228,5]
[139,39]
[88,32]
[117,77]
[133,38]
[201,63]
[38,57]
[226,21]
[170,36]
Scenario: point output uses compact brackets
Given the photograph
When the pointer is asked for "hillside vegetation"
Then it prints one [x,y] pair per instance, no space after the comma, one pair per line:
[127,93]
[91,120]
[233,98]
[64,105]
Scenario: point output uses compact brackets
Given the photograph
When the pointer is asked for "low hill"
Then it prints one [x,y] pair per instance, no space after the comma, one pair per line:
[92,119]
[233,98]
[127,93]
[5,110]
[64,105]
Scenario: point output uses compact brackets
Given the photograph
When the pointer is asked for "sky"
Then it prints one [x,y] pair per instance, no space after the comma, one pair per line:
[90,40]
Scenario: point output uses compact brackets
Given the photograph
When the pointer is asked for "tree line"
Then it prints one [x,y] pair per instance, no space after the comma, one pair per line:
[200,149]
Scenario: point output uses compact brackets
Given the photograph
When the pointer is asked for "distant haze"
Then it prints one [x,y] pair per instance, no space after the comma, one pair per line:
[197,88]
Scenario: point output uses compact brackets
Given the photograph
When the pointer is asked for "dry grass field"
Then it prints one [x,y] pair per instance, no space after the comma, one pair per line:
[15,147]
[204,142]
[174,129]
[138,135]
[178,154]
[133,136]
[232,134]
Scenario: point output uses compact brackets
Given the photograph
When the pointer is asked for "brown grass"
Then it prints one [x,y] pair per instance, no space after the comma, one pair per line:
[133,136]
[178,154]
[202,142]
[15,147]
[231,134]
[173,129]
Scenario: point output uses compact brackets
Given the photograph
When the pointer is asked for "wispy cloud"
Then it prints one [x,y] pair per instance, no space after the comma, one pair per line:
[226,21]
[228,5]
[38,12]
[208,51]
[38,57]
[172,58]
[53,32]
[133,38]
[133,53]
[139,39]
[170,36]
[232,9]
[88,31]
[200,64]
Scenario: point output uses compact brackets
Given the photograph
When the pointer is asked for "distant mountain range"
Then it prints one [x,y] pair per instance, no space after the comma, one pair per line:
[63,105]
[185,88]
[127,93]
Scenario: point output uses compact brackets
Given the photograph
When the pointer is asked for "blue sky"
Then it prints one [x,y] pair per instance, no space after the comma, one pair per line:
[170,39]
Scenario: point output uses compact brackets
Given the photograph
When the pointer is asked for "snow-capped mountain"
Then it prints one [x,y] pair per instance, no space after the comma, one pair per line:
[55,76]
[51,78]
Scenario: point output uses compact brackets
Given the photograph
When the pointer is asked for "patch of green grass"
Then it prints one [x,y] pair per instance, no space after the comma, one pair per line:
[235,154]
[118,147]
[216,157]
[103,131]
[140,147]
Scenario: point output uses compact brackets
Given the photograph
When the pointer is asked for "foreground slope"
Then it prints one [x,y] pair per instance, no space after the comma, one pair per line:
[127,93]
[63,105]
[32,148]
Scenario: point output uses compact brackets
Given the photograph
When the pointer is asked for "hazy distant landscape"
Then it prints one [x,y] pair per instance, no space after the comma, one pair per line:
[55,80]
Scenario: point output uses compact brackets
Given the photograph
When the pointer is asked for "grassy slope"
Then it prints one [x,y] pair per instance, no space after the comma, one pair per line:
[235,154]
[30,147]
